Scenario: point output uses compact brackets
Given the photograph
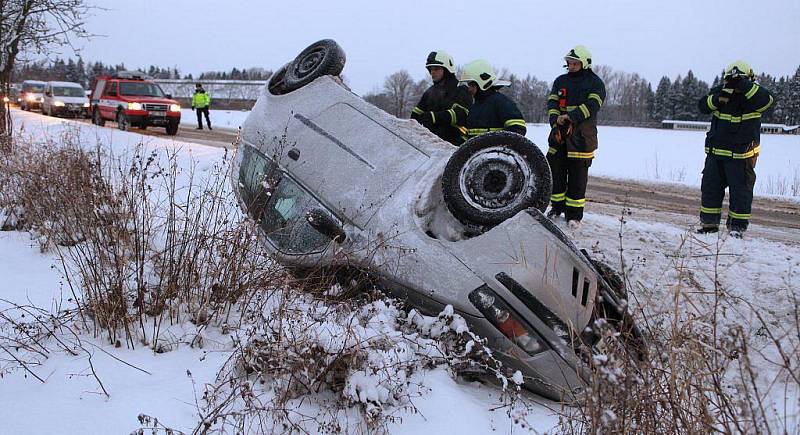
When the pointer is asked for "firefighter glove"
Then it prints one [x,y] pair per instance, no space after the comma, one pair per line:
[426,119]
[743,85]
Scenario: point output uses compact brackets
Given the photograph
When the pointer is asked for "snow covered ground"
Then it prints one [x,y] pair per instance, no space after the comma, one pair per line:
[677,156]
[70,400]
[219,118]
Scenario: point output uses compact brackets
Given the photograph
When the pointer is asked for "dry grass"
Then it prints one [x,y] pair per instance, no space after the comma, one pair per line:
[718,363]
[139,251]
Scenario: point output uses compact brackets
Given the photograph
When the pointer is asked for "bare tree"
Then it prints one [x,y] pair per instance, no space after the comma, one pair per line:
[399,88]
[30,27]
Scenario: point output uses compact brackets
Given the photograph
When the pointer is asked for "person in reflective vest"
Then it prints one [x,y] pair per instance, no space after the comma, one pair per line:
[445,105]
[572,108]
[732,147]
[201,102]
[491,110]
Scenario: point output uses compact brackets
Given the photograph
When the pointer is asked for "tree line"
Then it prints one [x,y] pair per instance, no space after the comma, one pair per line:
[84,73]
[630,99]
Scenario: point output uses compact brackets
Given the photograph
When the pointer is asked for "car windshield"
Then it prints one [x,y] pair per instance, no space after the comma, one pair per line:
[33,88]
[68,92]
[140,89]
[279,205]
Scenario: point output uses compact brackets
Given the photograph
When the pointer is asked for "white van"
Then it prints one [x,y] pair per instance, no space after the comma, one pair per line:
[65,98]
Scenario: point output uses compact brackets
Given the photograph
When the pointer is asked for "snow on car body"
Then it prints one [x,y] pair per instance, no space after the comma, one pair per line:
[335,181]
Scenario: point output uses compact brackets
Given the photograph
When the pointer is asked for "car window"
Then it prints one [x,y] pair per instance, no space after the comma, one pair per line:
[279,205]
[98,88]
[68,92]
[140,89]
[112,89]
[33,88]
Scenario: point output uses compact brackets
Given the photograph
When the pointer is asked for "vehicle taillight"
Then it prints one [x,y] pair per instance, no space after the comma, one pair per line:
[506,320]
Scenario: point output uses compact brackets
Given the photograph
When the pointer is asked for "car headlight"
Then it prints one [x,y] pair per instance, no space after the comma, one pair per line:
[86,105]
[174,107]
[30,97]
[505,319]
[134,106]
[58,103]
[6,100]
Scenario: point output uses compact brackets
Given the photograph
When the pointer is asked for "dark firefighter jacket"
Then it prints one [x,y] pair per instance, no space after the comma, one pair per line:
[493,111]
[735,125]
[585,93]
[443,108]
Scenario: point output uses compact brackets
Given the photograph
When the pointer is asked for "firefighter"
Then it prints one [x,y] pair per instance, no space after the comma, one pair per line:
[444,106]
[572,108]
[732,147]
[201,102]
[491,110]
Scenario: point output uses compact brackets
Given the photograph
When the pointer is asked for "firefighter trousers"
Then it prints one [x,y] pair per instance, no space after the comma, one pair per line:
[739,176]
[569,183]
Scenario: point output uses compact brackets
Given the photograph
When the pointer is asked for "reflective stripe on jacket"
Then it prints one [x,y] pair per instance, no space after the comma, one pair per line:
[493,111]
[201,99]
[735,125]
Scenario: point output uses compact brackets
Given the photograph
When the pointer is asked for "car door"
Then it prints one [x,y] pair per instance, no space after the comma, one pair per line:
[108,104]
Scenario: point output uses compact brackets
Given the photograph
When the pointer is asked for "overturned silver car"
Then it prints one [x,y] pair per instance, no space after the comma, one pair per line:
[335,181]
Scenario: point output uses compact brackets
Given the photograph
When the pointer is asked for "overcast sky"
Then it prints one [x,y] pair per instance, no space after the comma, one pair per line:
[652,38]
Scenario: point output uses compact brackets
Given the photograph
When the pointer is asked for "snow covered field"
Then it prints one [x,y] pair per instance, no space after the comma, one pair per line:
[70,400]
[231,119]
[677,156]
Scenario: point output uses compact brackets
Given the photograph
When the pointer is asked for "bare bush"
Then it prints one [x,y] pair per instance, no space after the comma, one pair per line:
[717,363]
[306,365]
[147,242]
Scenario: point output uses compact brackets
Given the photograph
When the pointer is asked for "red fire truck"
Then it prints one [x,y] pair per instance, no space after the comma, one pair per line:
[131,100]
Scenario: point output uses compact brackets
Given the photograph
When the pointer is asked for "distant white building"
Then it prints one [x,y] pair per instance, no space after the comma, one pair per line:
[672,124]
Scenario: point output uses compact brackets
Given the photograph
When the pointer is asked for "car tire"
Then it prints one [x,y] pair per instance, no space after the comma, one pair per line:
[97,119]
[172,128]
[122,121]
[492,177]
[319,59]
[276,85]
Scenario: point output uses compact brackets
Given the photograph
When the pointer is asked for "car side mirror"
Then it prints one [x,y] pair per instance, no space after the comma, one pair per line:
[168,96]
[322,222]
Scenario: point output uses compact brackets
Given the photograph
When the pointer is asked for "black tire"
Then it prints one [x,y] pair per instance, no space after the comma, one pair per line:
[276,86]
[122,121]
[494,176]
[319,59]
[97,119]
[172,128]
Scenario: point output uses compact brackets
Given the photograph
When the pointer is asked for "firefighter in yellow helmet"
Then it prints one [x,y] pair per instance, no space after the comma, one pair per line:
[732,147]
[444,106]
[572,107]
[491,110]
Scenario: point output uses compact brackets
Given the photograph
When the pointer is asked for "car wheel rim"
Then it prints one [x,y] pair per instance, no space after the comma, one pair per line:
[310,62]
[494,179]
